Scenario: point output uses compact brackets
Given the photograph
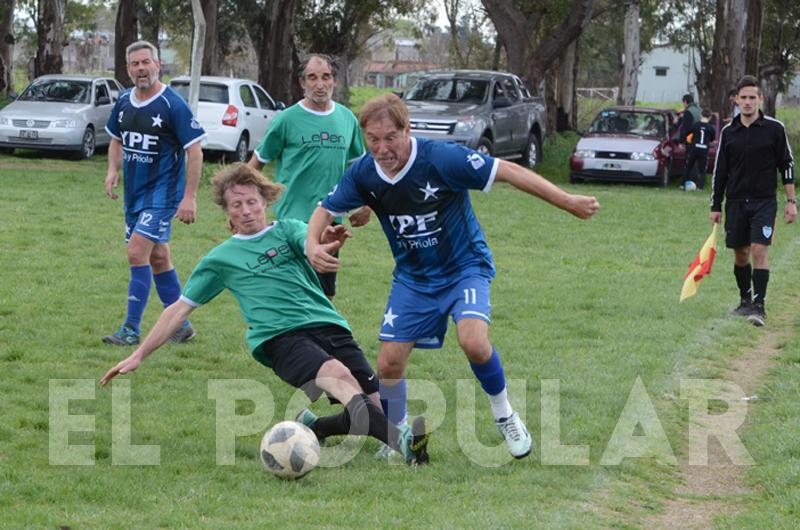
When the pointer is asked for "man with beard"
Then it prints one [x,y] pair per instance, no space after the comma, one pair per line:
[156,141]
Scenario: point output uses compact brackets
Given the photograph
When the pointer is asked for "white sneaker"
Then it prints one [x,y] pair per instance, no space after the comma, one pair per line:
[517,437]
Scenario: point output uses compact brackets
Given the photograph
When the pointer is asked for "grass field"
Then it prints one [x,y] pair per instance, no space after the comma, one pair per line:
[592,305]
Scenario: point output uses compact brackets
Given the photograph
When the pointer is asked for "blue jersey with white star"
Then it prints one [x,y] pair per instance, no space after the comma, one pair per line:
[154,135]
[425,210]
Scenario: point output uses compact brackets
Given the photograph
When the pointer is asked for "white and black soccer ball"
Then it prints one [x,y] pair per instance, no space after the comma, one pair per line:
[289,450]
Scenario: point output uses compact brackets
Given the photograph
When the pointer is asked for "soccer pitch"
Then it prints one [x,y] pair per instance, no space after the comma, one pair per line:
[581,311]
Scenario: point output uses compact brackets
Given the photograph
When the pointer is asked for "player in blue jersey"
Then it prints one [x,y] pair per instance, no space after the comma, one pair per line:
[419,191]
[151,129]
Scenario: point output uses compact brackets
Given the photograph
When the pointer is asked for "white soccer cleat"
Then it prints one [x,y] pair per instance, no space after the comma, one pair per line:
[516,435]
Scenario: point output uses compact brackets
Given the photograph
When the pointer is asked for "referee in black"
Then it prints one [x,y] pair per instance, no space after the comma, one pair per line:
[752,148]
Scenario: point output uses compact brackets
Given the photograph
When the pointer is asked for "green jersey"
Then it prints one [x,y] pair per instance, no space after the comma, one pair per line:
[271,278]
[311,150]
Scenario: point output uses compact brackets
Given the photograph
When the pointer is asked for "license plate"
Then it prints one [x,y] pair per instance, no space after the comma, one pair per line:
[612,165]
[31,135]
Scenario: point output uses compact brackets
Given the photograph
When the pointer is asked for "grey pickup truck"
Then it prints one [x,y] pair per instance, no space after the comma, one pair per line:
[492,112]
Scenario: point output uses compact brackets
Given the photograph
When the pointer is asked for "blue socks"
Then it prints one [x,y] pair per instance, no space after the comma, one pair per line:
[168,286]
[490,374]
[393,401]
[138,291]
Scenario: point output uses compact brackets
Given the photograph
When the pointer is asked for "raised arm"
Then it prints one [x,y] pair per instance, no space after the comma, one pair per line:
[582,206]
[168,323]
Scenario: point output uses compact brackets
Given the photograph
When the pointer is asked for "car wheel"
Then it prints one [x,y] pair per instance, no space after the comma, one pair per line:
[88,145]
[242,149]
[485,146]
[531,155]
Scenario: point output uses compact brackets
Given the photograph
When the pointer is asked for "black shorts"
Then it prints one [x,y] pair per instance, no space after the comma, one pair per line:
[296,357]
[750,221]
[328,282]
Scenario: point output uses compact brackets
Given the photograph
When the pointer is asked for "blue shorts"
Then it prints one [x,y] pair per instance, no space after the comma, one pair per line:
[155,224]
[420,316]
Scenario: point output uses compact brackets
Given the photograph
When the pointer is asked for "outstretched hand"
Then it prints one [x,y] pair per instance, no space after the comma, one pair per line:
[123,367]
[335,233]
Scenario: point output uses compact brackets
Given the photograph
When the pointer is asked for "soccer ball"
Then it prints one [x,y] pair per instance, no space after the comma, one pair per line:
[289,450]
[689,186]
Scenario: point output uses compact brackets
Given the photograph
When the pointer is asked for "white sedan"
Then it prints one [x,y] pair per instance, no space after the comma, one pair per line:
[234,112]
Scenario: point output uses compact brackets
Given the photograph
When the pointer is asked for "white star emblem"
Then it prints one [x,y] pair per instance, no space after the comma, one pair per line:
[157,120]
[429,192]
[388,318]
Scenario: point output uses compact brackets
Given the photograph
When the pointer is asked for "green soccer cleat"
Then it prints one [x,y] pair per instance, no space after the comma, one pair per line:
[414,442]
[124,336]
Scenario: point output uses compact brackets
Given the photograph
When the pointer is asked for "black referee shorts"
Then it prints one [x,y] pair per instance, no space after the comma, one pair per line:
[750,221]
[296,357]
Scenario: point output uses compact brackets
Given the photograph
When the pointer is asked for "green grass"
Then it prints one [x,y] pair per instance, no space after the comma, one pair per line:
[591,304]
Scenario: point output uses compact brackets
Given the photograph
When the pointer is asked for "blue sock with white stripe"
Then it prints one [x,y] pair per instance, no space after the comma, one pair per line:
[393,401]
[493,381]
[138,292]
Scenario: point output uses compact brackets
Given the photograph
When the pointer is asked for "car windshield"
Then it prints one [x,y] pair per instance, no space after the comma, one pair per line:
[58,90]
[209,92]
[451,90]
[629,122]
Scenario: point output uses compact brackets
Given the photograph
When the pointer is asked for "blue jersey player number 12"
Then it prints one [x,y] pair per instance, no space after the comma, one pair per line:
[419,190]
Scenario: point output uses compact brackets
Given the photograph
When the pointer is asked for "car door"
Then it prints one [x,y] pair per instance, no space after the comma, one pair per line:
[677,147]
[101,109]
[253,123]
[268,109]
[501,122]
[518,116]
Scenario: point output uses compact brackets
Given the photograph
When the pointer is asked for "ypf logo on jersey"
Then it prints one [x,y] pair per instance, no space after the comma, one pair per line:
[416,231]
[476,161]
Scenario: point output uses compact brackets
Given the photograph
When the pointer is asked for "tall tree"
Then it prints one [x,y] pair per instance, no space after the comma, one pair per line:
[341,28]
[51,37]
[126,32]
[728,57]
[6,46]
[210,60]
[148,15]
[630,72]
[780,51]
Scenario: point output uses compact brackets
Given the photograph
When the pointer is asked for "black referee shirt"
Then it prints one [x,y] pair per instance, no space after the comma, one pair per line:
[747,160]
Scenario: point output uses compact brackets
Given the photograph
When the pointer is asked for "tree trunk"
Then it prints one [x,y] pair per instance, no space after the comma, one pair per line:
[755,19]
[728,58]
[50,34]
[126,32]
[210,62]
[770,86]
[149,18]
[630,71]
[560,96]
[527,57]
[278,76]
[7,46]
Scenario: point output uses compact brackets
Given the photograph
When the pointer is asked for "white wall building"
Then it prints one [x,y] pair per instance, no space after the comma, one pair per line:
[666,75]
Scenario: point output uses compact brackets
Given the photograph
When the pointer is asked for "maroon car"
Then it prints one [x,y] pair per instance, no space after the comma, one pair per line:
[633,144]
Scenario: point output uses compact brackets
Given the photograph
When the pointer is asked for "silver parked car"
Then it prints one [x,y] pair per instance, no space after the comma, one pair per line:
[234,113]
[64,112]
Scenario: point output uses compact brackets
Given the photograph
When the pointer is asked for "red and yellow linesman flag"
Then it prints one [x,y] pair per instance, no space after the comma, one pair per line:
[701,266]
